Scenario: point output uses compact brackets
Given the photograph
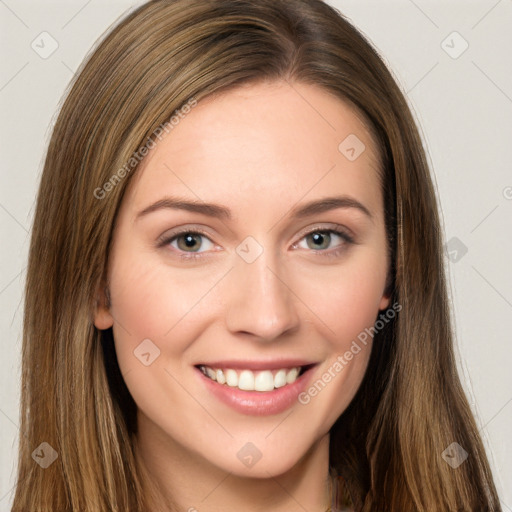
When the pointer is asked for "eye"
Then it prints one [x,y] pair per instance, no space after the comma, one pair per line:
[322,240]
[189,243]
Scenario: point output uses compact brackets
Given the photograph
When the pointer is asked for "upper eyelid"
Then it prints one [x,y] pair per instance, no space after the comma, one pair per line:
[330,227]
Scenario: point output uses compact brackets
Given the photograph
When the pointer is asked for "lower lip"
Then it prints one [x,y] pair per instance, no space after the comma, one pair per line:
[258,403]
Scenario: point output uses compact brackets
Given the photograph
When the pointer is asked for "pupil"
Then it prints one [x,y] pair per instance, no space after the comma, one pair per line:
[320,239]
[190,241]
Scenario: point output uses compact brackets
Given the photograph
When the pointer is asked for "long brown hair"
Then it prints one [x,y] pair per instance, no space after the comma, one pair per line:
[387,446]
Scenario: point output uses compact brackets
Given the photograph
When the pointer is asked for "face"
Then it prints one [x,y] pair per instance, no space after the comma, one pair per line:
[250,245]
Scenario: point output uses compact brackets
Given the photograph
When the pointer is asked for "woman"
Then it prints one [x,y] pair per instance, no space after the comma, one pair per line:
[189,340]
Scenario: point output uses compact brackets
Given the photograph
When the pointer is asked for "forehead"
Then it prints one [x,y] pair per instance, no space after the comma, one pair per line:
[262,143]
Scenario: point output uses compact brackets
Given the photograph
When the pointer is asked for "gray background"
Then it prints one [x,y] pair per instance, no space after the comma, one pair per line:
[462,101]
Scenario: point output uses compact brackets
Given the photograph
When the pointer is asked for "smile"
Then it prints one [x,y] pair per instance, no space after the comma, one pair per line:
[260,391]
[248,380]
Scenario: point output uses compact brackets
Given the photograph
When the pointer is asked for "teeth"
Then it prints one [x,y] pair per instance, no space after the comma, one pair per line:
[291,376]
[210,373]
[264,381]
[220,378]
[248,380]
[280,379]
[231,378]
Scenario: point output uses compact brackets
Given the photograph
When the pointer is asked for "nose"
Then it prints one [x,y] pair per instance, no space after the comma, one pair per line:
[261,302]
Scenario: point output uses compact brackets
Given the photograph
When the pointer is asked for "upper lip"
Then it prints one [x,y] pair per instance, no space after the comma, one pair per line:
[274,364]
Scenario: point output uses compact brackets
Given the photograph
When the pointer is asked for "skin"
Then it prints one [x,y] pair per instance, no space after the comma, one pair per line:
[260,150]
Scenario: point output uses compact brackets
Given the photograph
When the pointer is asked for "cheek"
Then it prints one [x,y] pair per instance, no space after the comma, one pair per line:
[352,308]
[346,307]
[345,299]
[166,306]
[156,302]
[349,310]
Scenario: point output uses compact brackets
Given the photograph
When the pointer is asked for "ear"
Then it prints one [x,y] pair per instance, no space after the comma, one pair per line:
[102,316]
[384,301]
[386,297]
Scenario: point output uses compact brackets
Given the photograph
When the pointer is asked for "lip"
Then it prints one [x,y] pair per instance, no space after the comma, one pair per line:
[274,364]
[258,403]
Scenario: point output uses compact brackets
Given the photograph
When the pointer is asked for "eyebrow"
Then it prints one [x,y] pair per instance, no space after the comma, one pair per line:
[220,212]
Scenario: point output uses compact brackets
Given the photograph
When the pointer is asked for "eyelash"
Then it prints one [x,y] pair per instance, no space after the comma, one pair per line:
[324,253]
